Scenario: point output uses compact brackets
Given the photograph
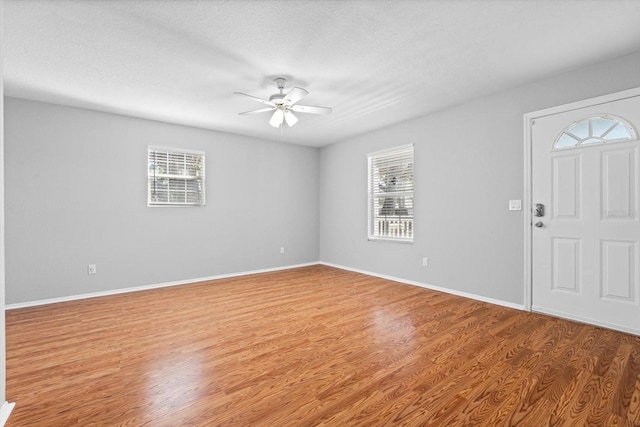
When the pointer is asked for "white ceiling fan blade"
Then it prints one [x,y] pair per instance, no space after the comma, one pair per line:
[264,101]
[294,95]
[290,118]
[261,110]
[276,119]
[311,110]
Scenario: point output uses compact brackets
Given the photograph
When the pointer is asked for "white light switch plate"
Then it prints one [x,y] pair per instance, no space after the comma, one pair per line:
[515,205]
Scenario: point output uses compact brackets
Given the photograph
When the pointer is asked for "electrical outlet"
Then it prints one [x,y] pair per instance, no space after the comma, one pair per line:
[425,262]
[91,269]
[282,250]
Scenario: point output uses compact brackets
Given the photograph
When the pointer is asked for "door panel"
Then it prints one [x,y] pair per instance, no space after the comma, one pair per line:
[566,186]
[566,264]
[618,184]
[585,256]
[618,270]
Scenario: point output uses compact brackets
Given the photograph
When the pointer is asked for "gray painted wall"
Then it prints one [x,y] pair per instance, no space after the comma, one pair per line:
[76,195]
[3,346]
[468,165]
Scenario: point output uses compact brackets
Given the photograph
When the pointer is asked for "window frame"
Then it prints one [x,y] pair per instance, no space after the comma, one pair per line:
[603,138]
[371,195]
[199,177]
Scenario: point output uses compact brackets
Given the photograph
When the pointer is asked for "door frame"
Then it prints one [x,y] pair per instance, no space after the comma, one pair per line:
[529,119]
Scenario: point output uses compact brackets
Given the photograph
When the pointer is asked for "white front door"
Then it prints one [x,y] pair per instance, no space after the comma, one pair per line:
[585,244]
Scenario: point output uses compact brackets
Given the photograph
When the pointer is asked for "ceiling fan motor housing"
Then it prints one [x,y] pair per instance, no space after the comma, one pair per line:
[277,98]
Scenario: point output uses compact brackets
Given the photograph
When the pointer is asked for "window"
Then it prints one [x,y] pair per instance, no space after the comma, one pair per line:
[594,130]
[176,177]
[391,194]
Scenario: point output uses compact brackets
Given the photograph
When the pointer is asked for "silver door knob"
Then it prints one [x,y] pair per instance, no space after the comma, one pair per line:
[538,224]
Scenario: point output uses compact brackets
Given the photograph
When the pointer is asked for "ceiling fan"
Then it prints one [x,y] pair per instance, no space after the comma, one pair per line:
[283,105]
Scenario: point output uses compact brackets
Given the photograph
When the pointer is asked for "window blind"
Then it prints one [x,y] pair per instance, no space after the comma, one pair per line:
[390,210]
[175,178]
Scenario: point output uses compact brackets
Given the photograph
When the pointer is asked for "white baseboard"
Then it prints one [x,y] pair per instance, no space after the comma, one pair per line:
[147,287]
[432,287]
[5,411]
[267,270]
[586,320]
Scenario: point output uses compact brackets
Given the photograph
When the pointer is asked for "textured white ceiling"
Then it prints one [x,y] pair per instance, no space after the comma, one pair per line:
[375,62]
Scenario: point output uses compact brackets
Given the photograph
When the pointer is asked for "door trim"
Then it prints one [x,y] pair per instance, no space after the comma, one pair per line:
[528,120]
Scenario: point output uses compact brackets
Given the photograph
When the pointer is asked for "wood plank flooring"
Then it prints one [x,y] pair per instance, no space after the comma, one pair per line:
[313,346]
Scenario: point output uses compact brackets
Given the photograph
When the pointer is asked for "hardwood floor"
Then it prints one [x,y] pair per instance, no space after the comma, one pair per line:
[312,346]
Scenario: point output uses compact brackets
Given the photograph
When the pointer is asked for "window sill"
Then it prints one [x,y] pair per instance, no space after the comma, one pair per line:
[389,239]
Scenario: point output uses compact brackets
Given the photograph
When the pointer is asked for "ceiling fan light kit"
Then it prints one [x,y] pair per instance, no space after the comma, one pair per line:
[283,105]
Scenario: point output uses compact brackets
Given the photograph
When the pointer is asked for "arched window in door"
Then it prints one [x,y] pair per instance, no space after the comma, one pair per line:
[595,130]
